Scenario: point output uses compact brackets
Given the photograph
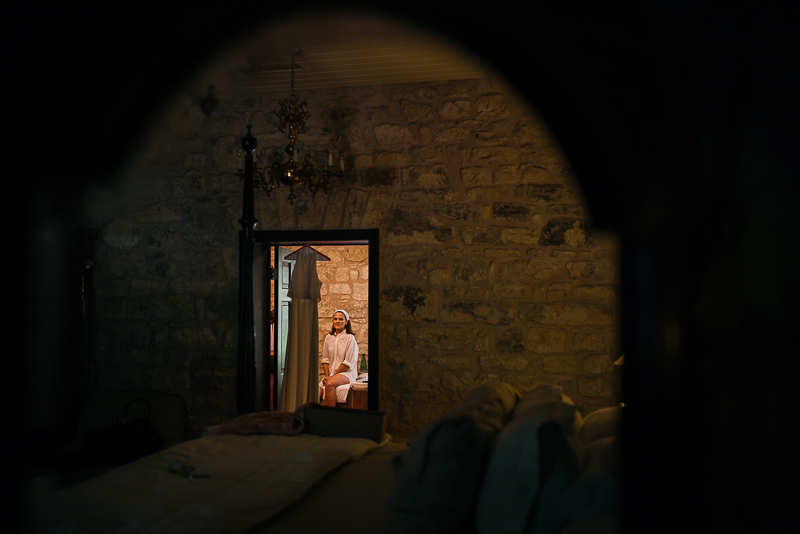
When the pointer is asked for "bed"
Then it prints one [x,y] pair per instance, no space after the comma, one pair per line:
[500,462]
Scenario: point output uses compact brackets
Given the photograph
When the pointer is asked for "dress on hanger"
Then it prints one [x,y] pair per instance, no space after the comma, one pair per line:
[301,371]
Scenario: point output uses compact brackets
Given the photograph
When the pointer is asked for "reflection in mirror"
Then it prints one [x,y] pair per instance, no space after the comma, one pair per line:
[300,339]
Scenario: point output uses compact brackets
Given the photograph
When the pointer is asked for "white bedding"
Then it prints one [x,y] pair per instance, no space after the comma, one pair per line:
[341,391]
[252,478]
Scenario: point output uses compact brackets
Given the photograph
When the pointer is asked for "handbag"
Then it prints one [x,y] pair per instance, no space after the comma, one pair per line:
[124,442]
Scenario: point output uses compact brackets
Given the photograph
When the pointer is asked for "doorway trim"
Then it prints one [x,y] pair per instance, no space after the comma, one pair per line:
[365,236]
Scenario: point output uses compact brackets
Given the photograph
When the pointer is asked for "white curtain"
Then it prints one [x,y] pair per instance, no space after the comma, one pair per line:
[301,371]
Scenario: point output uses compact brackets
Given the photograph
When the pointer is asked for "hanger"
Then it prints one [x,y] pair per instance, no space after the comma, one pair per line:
[320,255]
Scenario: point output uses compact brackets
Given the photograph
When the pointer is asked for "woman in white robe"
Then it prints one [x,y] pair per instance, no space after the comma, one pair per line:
[339,358]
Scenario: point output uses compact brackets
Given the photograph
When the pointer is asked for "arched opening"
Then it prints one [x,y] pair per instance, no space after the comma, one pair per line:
[608,103]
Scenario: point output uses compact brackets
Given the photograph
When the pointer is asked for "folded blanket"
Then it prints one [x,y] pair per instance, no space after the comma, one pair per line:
[280,423]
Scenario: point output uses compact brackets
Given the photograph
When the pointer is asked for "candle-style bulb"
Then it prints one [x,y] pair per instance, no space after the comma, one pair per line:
[341,163]
[240,160]
[330,158]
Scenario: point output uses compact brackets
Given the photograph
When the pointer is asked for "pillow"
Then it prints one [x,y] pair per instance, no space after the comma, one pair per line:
[602,423]
[596,492]
[535,458]
[436,484]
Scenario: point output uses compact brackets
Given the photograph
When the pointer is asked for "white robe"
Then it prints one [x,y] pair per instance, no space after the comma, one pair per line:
[340,349]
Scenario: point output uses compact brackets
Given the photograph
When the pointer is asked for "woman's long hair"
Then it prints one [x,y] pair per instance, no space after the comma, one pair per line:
[346,327]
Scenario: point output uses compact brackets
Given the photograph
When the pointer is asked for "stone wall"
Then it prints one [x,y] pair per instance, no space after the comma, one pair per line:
[490,268]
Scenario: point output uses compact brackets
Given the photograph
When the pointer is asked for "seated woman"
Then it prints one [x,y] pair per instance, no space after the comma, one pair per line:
[339,358]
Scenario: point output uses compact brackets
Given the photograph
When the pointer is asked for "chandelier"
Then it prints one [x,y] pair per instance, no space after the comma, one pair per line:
[288,168]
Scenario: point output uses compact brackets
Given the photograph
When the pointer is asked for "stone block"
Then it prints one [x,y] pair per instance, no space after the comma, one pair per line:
[536,174]
[489,138]
[409,303]
[593,342]
[519,236]
[509,211]
[427,197]
[447,338]
[470,271]
[585,269]
[194,160]
[456,212]
[495,313]
[226,153]
[502,253]
[225,122]
[361,290]
[425,133]
[566,314]
[157,213]
[489,194]
[438,277]
[475,235]
[161,237]
[455,109]
[342,274]
[453,362]
[449,135]
[411,227]
[544,192]
[506,174]
[461,381]
[494,155]
[599,292]
[518,269]
[595,386]
[512,341]
[475,293]
[190,184]
[565,231]
[377,205]
[492,106]
[476,175]
[559,365]
[513,289]
[428,177]
[378,113]
[598,364]
[393,134]
[576,211]
[341,116]
[559,291]
[208,227]
[529,382]
[545,340]
[122,235]
[489,361]
[426,154]
[414,111]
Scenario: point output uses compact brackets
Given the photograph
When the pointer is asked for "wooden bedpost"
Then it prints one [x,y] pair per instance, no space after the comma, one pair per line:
[245,368]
